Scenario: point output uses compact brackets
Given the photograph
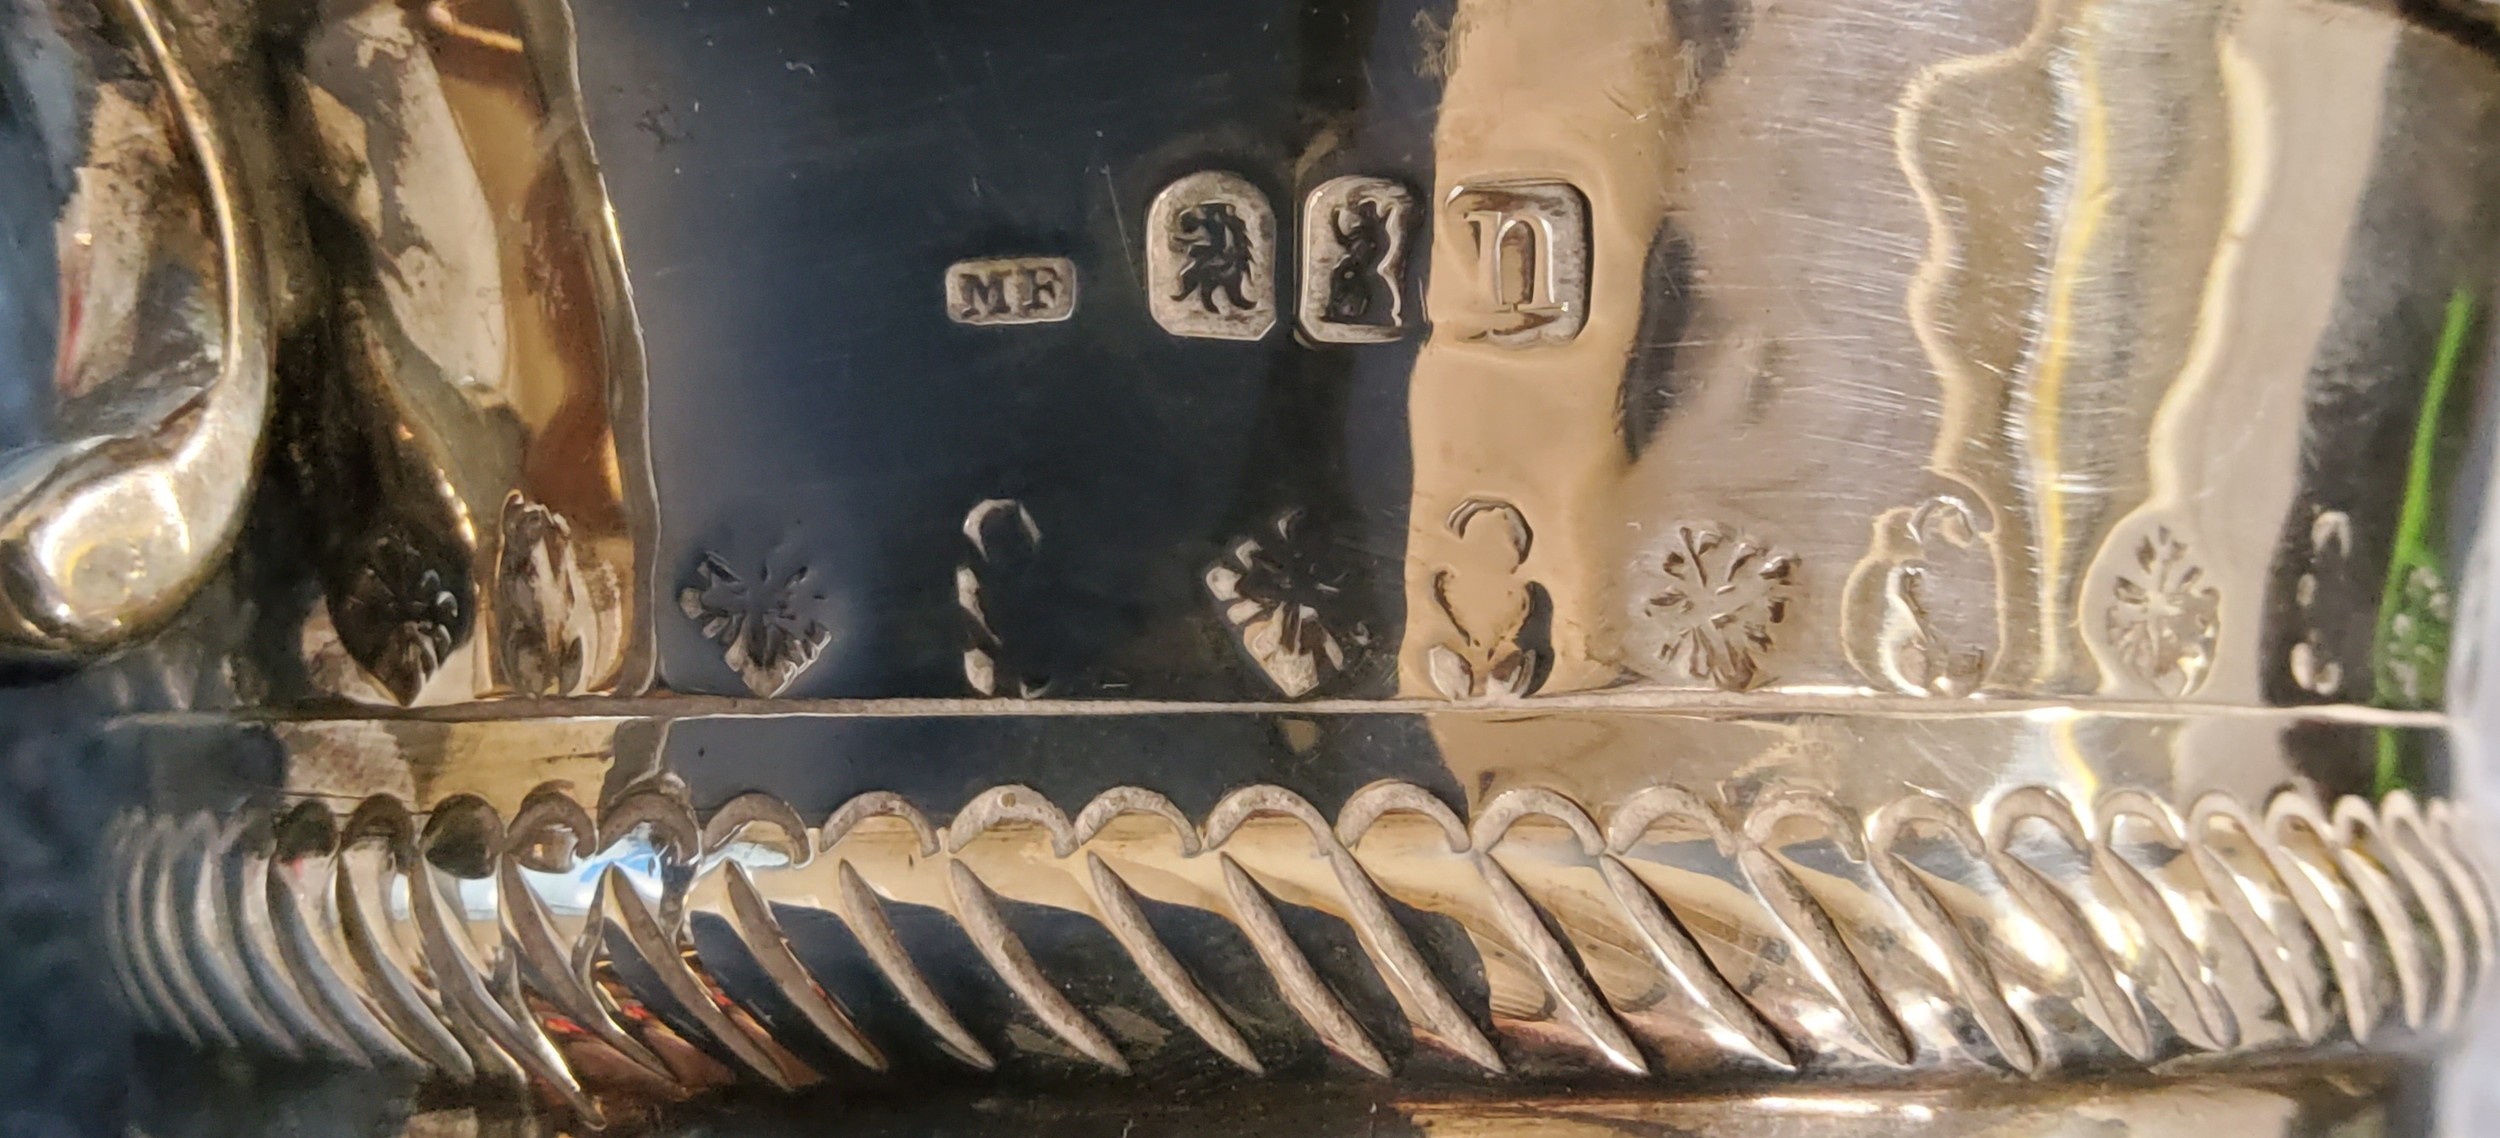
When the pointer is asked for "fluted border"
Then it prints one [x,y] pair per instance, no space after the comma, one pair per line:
[312,932]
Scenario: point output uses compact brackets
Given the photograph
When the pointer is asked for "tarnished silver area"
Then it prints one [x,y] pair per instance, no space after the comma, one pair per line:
[135,326]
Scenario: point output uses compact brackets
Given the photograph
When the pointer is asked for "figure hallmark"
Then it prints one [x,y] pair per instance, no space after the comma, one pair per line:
[1211,258]
[1355,233]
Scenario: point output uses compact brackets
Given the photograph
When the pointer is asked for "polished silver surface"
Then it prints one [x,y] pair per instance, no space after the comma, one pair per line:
[135,321]
[464,426]
[1678,557]
[1981,355]
[2034,365]
[626,907]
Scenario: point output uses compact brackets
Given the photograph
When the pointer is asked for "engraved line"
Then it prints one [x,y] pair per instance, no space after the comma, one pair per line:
[1691,972]
[530,929]
[465,992]
[1428,1005]
[1180,992]
[878,804]
[115,928]
[2420,880]
[1014,964]
[2214,1028]
[764,940]
[660,951]
[2457,859]
[1388,796]
[2394,921]
[2287,969]
[1813,937]
[681,706]
[2334,914]
[412,1017]
[1555,967]
[151,1004]
[313,958]
[866,917]
[1001,805]
[222,974]
[751,917]
[2118,1013]
[1554,964]
[1119,800]
[1296,980]
[302,1012]
[753,810]
[1508,807]
[1966,971]
[169,933]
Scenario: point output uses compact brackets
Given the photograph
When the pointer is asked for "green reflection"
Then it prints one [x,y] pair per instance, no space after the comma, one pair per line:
[2409,657]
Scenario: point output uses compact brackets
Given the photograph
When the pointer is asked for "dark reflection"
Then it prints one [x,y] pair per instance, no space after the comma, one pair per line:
[1648,392]
[813,403]
[1712,30]
[2363,587]
[386,541]
[181,1093]
[29,269]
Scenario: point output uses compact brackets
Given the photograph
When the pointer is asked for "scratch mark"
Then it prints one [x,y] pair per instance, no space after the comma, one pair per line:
[1120,220]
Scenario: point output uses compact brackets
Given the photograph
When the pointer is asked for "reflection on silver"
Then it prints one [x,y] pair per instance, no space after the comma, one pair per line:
[476,348]
[1211,258]
[2059,909]
[141,214]
[1962,355]
[1910,569]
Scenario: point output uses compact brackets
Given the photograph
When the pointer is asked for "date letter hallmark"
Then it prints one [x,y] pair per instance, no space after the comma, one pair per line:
[1355,231]
[1530,240]
[1211,258]
[1011,290]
